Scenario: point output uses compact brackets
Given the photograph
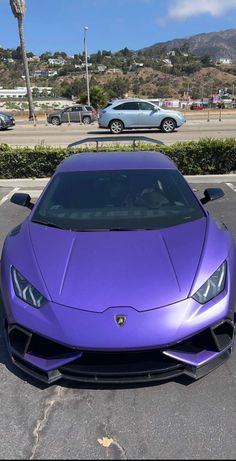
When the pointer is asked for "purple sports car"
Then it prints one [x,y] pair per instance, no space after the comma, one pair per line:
[119,274]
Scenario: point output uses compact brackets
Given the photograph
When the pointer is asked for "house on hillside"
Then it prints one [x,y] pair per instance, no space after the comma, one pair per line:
[101,68]
[56,61]
[114,70]
[167,62]
[138,64]
[224,61]
[44,73]
[8,60]
[171,53]
[34,59]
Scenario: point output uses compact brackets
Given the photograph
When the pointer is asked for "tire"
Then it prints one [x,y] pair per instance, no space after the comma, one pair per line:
[168,125]
[86,119]
[116,126]
[56,121]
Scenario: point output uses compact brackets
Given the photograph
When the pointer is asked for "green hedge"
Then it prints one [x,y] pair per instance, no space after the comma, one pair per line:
[207,156]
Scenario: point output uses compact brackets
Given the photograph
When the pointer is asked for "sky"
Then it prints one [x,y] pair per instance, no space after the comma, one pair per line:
[58,25]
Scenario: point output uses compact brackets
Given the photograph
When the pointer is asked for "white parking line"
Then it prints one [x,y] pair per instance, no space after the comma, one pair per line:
[6,197]
[231,186]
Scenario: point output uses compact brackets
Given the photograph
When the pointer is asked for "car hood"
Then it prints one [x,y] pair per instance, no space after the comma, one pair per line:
[96,270]
[56,112]
[7,114]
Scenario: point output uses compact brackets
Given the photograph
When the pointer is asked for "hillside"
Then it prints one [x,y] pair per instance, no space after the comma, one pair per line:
[155,74]
[215,44]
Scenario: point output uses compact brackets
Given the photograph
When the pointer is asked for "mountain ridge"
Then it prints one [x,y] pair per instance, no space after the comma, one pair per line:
[221,44]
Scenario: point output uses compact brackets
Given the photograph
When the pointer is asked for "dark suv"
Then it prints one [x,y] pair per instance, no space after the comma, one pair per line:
[6,120]
[79,113]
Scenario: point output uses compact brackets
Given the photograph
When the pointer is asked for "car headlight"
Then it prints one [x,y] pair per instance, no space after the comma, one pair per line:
[213,286]
[25,291]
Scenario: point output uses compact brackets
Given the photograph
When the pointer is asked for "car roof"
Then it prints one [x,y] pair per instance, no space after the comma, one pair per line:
[94,161]
[115,101]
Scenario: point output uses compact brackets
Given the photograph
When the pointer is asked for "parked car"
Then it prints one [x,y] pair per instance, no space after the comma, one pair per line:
[137,113]
[102,282]
[79,113]
[6,120]
[197,106]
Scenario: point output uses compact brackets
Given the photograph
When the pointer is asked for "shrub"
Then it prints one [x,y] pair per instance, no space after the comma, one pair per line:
[207,156]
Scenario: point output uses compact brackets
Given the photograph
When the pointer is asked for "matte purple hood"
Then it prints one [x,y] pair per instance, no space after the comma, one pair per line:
[97,270]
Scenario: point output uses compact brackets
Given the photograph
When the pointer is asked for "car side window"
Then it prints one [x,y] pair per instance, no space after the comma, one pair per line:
[119,107]
[145,106]
[131,106]
[127,106]
[77,108]
[69,109]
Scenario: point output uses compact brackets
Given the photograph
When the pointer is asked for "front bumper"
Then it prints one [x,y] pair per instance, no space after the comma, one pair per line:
[7,124]
[50,361]
[57,341]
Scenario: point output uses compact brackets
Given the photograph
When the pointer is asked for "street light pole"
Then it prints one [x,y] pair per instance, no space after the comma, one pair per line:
[86,63]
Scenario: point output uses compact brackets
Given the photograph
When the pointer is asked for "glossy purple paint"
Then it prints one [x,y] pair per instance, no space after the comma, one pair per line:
[116,161]
[149,276]
[124,268]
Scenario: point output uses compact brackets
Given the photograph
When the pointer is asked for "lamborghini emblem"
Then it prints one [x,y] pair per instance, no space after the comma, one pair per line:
[120,320]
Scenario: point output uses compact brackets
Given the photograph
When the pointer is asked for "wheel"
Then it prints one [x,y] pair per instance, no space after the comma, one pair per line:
[116,126]
[168,125]
[86,119]
[55,121]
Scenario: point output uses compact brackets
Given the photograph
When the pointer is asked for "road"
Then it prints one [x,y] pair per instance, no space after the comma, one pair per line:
[220,125]
[178,419]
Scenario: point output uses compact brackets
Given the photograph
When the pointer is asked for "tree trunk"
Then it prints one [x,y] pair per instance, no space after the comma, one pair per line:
[25,62]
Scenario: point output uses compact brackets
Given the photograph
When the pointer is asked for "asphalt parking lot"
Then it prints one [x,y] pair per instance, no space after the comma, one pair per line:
[178,419]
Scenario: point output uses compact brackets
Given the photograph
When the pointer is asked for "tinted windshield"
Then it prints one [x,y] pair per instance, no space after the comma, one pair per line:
[124,199]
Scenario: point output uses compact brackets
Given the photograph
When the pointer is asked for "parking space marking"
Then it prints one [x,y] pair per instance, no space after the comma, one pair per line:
[6,197]
[231,186]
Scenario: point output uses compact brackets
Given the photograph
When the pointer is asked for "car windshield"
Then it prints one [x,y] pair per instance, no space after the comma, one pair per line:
[117,200]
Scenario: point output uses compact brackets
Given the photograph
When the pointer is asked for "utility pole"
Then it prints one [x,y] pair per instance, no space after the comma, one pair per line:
[86,63]
[202,93]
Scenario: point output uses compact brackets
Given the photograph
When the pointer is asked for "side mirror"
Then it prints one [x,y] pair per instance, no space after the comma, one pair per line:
[211,194]
[19,198]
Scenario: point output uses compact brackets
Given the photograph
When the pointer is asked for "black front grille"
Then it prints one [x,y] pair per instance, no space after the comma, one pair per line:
[122,366]
[23,341]
[197,343]
[223,335]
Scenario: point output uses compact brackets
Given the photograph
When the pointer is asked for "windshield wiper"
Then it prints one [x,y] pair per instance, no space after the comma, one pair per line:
[111,229]
[74,229]
[49,224]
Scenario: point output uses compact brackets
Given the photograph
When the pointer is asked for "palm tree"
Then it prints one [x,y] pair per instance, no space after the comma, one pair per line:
[18,9]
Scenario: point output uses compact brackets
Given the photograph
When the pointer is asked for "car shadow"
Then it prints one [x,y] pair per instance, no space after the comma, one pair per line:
[125,132]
